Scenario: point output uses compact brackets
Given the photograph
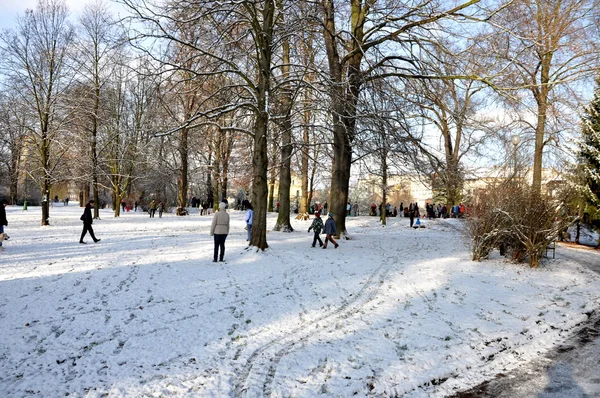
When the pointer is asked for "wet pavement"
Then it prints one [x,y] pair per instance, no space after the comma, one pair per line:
[572,370]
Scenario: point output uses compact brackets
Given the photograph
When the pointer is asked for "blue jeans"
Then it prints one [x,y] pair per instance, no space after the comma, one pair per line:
[1,231]
[249,232]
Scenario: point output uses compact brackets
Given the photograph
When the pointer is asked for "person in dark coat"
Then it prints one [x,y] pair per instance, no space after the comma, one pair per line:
[330,230]
[3,222]
[316,226]
[88,220]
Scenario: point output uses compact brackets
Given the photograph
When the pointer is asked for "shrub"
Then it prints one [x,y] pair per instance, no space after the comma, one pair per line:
[513,217]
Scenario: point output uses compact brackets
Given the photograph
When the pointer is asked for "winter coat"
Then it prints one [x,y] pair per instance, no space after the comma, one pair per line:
[87,215]
[3,220]
[249,216]
[220,223]
[317,225]
[152,205]
[330,227]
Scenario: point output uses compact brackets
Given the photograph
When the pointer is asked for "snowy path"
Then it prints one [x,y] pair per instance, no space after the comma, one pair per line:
[569,370]
[146,313]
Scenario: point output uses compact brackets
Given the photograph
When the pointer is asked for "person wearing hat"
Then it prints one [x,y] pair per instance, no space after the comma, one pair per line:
[316,226]
[88,220]
[330,230]
[220,229]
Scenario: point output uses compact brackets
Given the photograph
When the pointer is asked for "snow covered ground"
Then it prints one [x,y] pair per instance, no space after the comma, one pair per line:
[145,312]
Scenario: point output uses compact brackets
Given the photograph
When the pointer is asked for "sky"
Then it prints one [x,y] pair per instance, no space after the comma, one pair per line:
[10,9]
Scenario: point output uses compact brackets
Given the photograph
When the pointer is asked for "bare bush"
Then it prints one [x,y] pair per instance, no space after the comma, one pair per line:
[514,218]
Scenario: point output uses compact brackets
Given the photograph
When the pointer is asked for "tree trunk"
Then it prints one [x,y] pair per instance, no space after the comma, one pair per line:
[182,182]
[14,173]
[384,178]
[340,180]
[260,160]
[45,201]
[217,172]
[45,157]
[225,156]
[541,95]
[539,147]
[345,91]
[285,178]
[259,184]
[272,179]
[304,199]
[210,199]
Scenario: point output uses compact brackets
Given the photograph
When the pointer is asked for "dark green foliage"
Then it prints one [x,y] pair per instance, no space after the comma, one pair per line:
[589,152]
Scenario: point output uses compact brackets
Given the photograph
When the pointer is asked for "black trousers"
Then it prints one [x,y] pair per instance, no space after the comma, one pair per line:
[219,244]
[317,238]
[87,228]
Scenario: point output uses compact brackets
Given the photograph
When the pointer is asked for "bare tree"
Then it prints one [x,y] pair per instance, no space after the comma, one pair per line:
[35,56]
[96,47]
[547,46]
[131,102]
[286,102]
[397,24]
[12,137]
[237,40]
[449,107]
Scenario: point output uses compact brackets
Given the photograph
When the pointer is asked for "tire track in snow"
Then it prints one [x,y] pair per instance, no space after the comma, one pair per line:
[256,375]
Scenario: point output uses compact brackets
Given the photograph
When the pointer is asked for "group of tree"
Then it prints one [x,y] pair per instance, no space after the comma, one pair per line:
[180,91]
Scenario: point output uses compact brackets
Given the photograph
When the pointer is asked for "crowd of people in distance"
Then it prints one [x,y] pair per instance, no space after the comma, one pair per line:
[220,222]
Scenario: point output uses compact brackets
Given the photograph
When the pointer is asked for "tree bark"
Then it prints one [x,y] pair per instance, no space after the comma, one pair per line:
[217,171]
[304,199]
[273,178]
[285,178]
[260,160]
[384,179]
[182,182]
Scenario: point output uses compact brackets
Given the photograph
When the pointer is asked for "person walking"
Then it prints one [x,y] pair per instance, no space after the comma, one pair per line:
[88,220]
[3,222]
[161,208]
[316,226]
[330,230]
[135,205]
[152,208]
[249,217]
[220,229]
[411,214]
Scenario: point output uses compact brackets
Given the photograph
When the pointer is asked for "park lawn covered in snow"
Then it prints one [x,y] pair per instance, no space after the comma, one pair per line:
[145,312]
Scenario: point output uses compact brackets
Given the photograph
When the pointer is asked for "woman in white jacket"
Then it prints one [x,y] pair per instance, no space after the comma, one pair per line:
[220,229]
[249,216]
